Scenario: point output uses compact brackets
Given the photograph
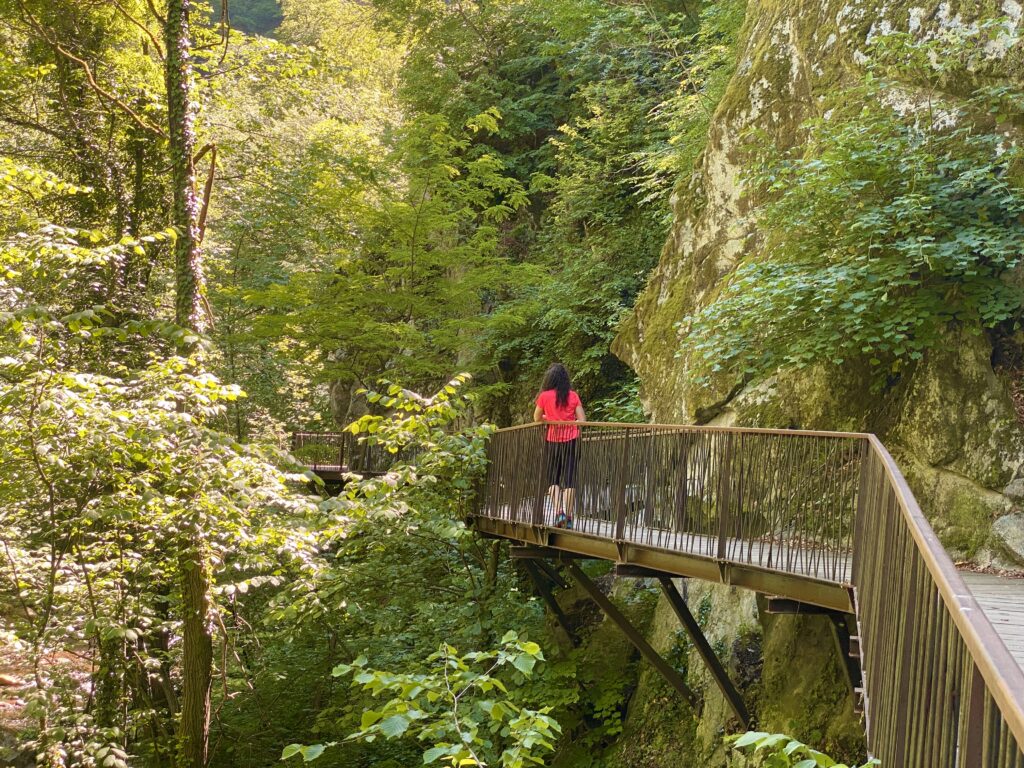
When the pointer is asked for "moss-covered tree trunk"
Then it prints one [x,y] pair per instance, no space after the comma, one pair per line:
[190,312]
[190,282]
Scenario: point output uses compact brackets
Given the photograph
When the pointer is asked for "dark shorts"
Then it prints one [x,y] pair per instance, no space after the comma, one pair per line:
[560,460]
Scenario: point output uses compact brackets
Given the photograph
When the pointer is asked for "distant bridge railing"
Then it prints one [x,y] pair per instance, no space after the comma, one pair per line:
[822,507]
[331,454]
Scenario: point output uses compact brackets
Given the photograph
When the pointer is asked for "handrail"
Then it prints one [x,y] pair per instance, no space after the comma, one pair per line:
[688,427]
[942,688]
[980,732]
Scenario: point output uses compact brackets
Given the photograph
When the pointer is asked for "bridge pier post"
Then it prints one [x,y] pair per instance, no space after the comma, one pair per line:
[534,569]
[700,642]
[653,657]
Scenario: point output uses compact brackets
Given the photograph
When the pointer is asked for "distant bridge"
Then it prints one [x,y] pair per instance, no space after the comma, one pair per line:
[333,455]
[821,522]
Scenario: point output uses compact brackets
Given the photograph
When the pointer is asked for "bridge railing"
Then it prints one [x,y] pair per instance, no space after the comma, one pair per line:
[742,496]
[941,687]
[336,452]
[943,690]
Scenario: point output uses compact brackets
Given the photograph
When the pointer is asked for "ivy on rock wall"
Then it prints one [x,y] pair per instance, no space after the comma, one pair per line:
[897,217]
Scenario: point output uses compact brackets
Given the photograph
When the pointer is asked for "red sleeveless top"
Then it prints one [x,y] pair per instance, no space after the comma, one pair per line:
[547,401]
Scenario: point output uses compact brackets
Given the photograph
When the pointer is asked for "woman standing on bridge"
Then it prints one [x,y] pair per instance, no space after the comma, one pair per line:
[557,401]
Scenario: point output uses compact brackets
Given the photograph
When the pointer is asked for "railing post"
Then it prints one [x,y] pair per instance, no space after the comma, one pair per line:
[542,478]
[620,487]
[864,489]
[724,497]
[973,748]
[908,638]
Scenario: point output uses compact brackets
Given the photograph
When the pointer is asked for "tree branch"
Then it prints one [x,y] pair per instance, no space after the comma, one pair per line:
[156,13]
[153,39]
[100,90]
[207,191]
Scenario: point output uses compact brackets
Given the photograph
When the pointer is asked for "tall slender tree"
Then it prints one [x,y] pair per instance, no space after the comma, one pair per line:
[190,283]
[190,313]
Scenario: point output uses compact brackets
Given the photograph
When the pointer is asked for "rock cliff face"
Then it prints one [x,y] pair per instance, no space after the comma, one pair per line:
[951,422]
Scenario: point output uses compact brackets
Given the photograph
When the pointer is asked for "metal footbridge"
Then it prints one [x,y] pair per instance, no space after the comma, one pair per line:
[820,521]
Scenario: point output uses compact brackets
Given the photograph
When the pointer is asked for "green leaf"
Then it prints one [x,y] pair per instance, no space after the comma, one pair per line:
[748,738]
[531,648]
[394,726]
[312,752]
[434,753]
[524,663]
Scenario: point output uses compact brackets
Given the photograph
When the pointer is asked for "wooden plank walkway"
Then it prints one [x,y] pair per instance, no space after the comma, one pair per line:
[1002,600]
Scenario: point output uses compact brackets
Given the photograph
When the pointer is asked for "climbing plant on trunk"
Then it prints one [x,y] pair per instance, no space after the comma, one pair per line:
[190,314]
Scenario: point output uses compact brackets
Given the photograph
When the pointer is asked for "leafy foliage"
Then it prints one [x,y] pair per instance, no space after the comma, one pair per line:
[253,16]
[109,470]
[899,216]
[776,750]
[461,708]
[501,209]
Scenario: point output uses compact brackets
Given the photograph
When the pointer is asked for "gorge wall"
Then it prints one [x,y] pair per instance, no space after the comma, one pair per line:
[953,422]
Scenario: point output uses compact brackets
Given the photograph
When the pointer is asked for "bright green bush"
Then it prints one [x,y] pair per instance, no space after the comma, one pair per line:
[776,750]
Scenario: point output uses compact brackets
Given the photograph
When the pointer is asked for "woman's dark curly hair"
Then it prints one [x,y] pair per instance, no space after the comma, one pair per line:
[557,378]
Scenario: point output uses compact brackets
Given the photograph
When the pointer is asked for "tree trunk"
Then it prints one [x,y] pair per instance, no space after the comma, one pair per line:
[190,312]
[196,659]
[190,283]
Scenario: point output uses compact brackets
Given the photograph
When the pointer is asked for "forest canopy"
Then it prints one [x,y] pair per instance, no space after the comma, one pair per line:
[224,223]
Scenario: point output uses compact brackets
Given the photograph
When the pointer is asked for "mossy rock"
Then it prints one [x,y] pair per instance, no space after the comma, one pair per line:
[804,689]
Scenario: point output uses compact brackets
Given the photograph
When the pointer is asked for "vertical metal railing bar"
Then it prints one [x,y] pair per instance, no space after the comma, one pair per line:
[724,492]
[843,508]
[935,747]
[806,549]
[753,469]
[790,513]
[922,662]
[739,528]
[771,509]
[940,751]
[498,452]
[582,517]
[896,612]
[521,483]
[925,673]
[932,741]
[643,470]
[516,483]
[831,534]
[951,740]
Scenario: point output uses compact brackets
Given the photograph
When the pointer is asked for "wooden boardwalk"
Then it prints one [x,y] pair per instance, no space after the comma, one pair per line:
[1002,600]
